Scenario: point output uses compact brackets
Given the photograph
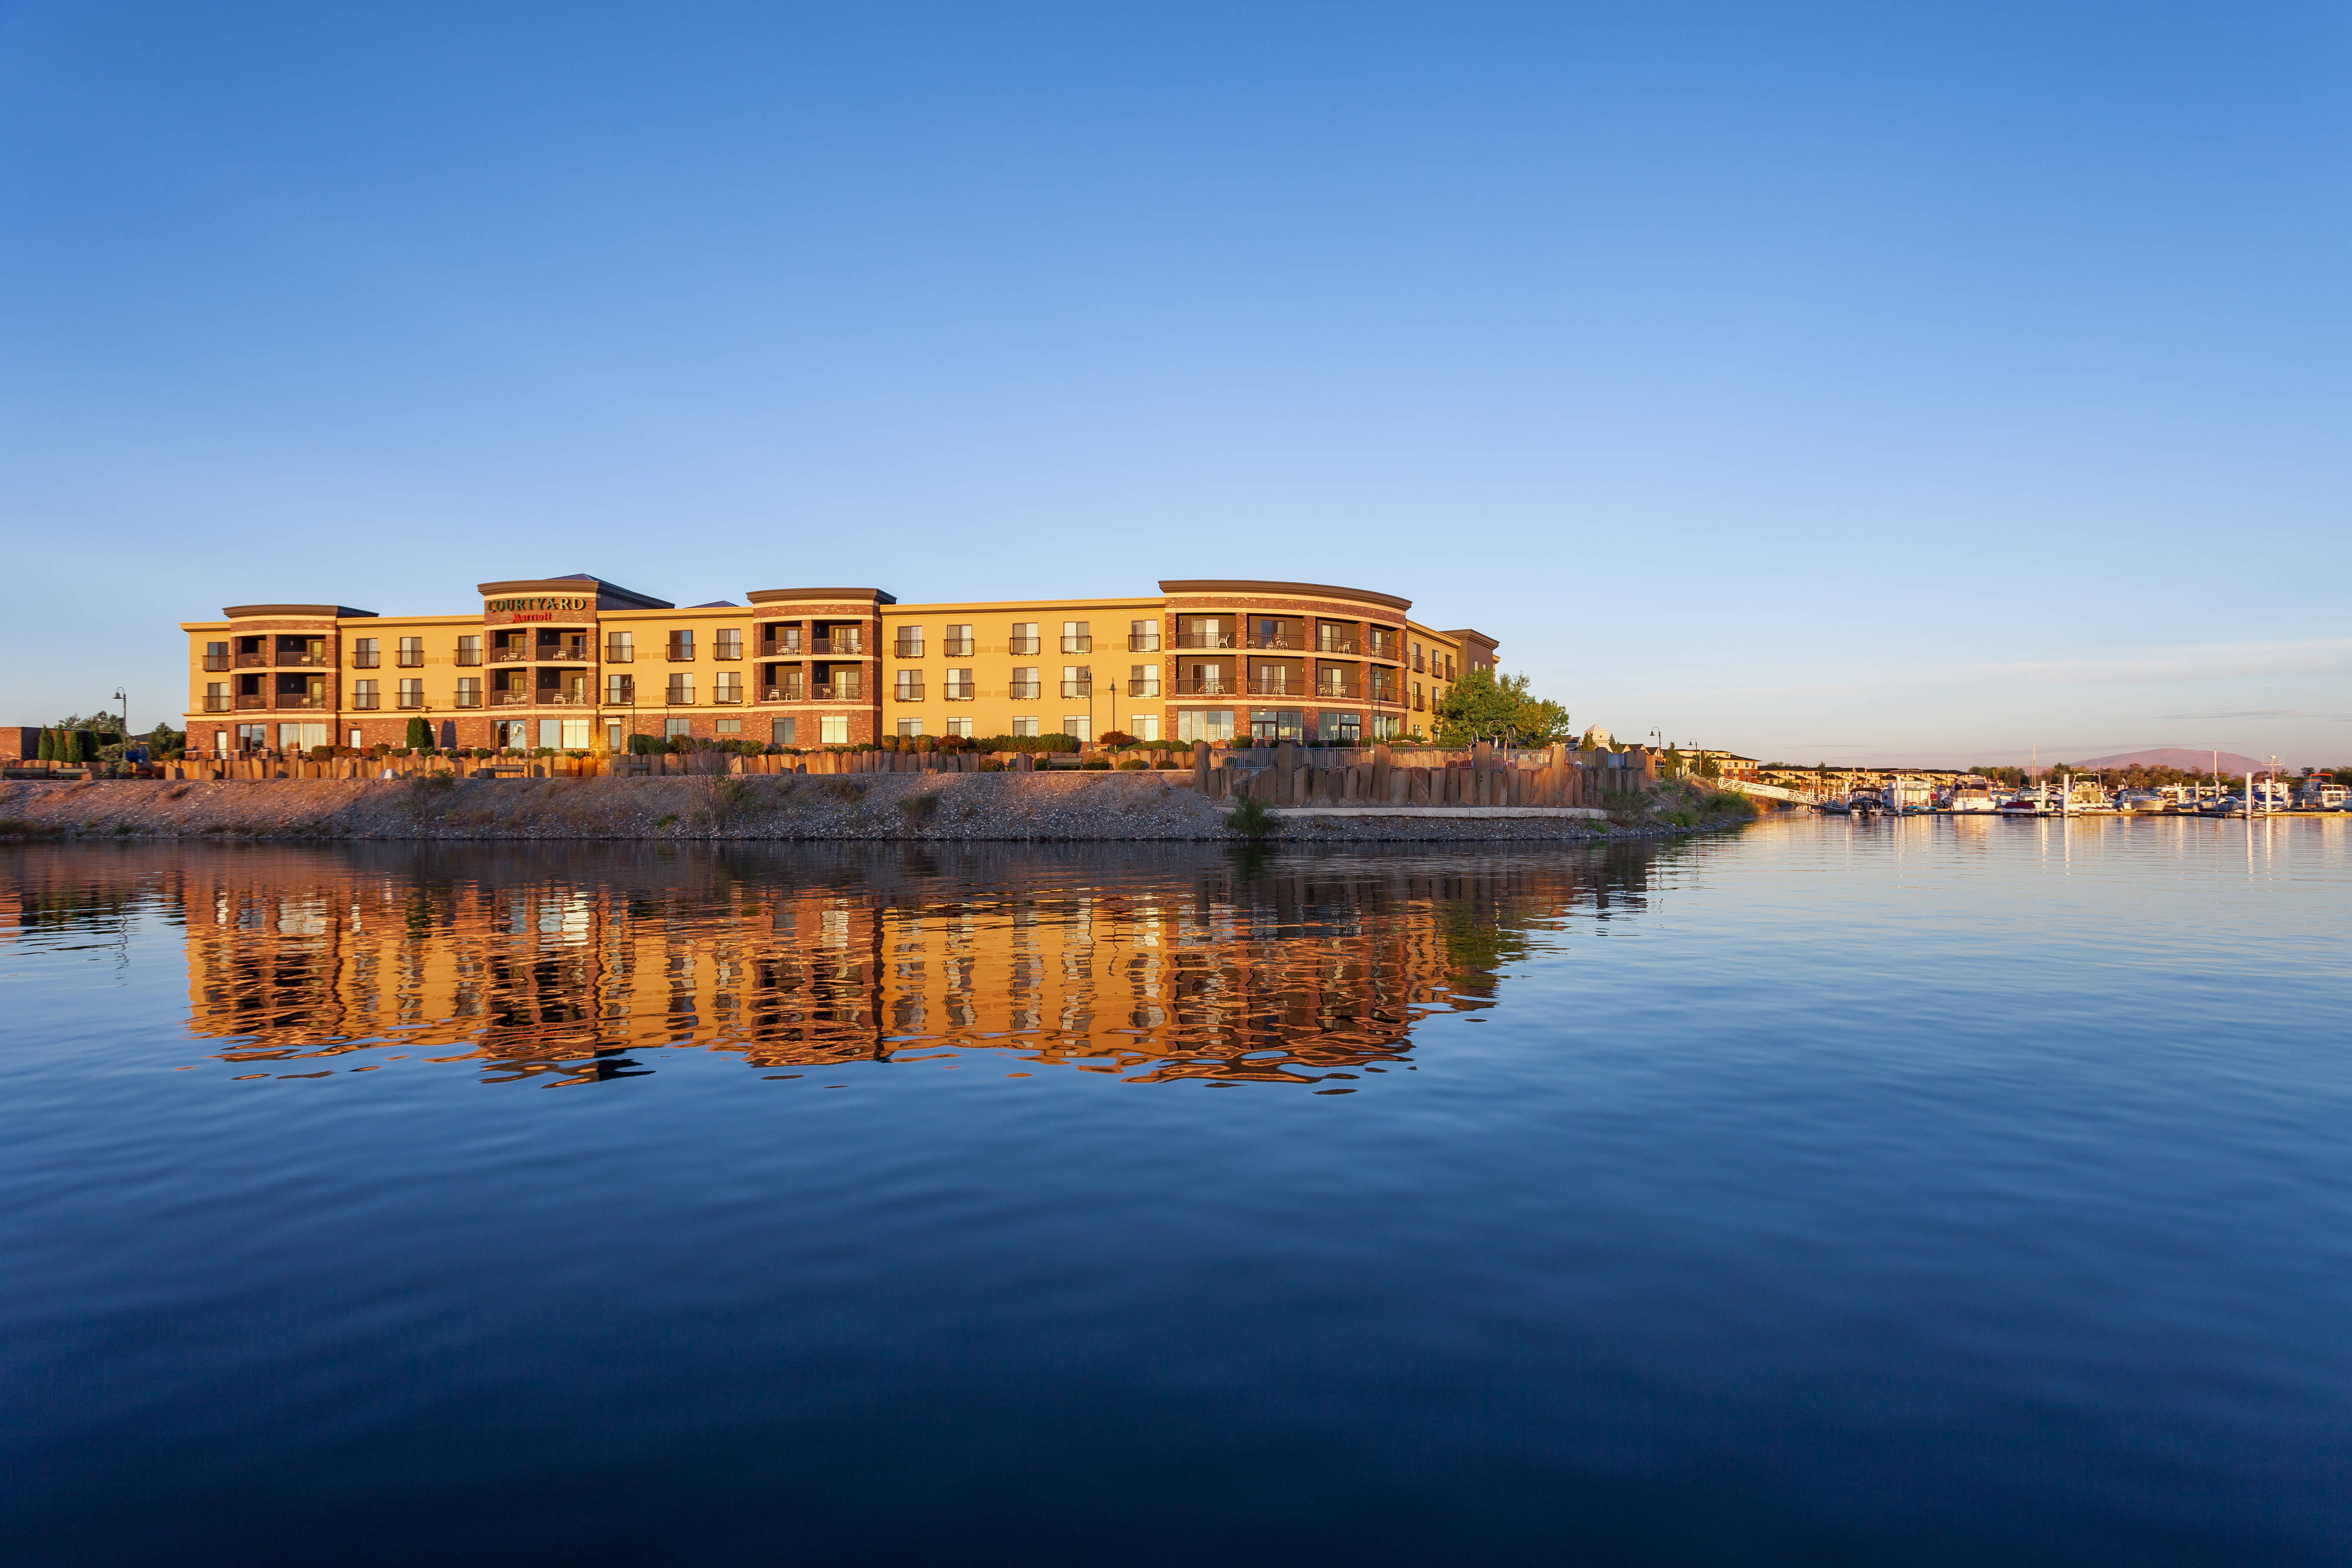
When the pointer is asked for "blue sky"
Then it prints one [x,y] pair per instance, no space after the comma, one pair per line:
[1873,382]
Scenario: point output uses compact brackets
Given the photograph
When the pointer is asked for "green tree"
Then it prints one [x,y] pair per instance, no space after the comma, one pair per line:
[1479,706]
[48,747]
[420,734]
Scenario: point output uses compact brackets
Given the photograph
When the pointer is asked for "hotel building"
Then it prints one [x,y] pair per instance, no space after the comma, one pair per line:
[579,664]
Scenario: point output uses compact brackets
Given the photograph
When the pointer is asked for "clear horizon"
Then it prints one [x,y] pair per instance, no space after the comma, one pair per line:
[1877,387]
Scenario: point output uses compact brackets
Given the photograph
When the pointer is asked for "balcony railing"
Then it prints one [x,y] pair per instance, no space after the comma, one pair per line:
[1206,687]
[677,697]
[841,643]
[1351,691]
[955,648]
[1078,688]
[1021,691]
[1328,645]
[366,659]
[470,658]
[834,692]
[1385,648]
[222,703]
[1276,640]
[557,699]
[953,693]
[791,694]
[1145,643]
[1078,644]
[216,661]
[727,648]
[1021,645]
[292,658]
[908,693]
[904,649]
[363,699]
[411,658]
[727,696]
[518,654]
[1143,688]
[1277,687]
[1204,639]
[252,661]
[773,648]
[299,700]
[620,652]
[571,650]
[510,699]
[470,697]
[412,699]
[1417,703]
[247,702]
[679,653]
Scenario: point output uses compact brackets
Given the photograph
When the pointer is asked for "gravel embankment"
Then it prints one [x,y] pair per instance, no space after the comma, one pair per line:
[951,806]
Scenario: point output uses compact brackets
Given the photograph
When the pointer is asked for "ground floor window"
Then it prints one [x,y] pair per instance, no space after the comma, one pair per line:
[1204,724]
[550,733]
[784,731]
[510,732]
[1342,728]
[220,742]
[962,726]
[301,736]
[253,737]
[731,727]
[1078,726]
[355,742]
[1147,726]
[1024,727]
[833,730]
[909,727]
[1278,723]
[614,739]
[1387,726]
[674,727]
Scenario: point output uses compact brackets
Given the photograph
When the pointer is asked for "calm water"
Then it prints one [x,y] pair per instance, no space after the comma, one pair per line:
[1926,1192]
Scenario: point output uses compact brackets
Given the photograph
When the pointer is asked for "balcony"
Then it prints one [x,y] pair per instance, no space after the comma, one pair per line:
[1335,645]
[251,660]
[1283,640]
[571,650]
[956,648]
[835,692]
[788,694]
[220,703]
[216,663]
[303,658]
[727,649]
[959,694]
[1144,642]
[470,697]
[1206,687]
[1417,703]
[1021,645]
[679,653]
[364,700]
[367,659]
[301,700]
[510,699]
[413,701]
[410,658]
[1417,664]
[249,701]
[727,696]
[1078,644]
[1078,688]
[1276,687]
[905,649]
[1385,648]
[841,643]
[518,654]
[784,648]
[1342,691]
[908,693]
[471,658]
[677,697]
[1204,640]
[620,652]
[1023,691]
[1143,688]
[562,700]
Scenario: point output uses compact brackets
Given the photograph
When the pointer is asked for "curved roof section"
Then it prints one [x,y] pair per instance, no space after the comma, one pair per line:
[318,611]
[784,595]
[1280,590]
[609,595]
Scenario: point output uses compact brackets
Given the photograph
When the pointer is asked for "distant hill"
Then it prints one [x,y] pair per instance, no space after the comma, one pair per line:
[2178,756]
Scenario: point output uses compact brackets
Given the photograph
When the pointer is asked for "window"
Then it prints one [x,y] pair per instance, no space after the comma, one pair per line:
[680,689]
[616,739]
[731,727]
[1144,636]
[1342,728]
[509,732]
[910,686]
[1077,680]
[620,648]
[1278,723]
[959,688]
[364,693]
[1024,639]
[1387,726]
[1077,637]
[1079,725]
[363,654]
[1024,727]
[1024,684]
[215,655]
[253,737]
[785,639]
[957,643]
[727,643]
[469,650]
[784,732]
[789,689]
[622,689]
[848,686]
[962,726]
[674,727]
[681,646]
[726,687]
[833,730]
[909,727]
[1204,724]
[575,735]
[217,698]
[909,644]
[412,652]
[412,693]
[1147,726]
[1202,631]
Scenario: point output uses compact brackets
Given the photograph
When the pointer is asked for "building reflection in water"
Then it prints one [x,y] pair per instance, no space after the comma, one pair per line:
[571,966]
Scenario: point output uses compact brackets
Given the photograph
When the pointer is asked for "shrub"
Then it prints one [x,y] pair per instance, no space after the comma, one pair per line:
[1253,819]
[1096,765]
[420,734]
[322,754]
[400,751]
[1115,738]
[919,809]
[1134,765]
[991,766]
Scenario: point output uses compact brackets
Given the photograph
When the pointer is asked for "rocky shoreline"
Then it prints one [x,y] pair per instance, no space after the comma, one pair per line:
[983,806]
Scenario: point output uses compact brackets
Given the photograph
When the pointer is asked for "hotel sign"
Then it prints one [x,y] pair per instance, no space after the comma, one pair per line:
[509,606]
